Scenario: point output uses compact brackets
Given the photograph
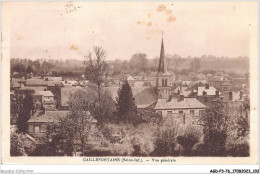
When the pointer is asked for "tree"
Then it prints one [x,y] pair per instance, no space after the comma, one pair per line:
[177,60]
[166,142]
[25,112]
[195,64]
[96,72]
[127,109]
[139,62]
[215,122]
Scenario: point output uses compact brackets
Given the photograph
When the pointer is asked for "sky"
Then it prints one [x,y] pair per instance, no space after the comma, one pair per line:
[69,30]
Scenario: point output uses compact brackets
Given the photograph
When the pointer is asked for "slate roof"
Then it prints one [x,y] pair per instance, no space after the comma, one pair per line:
[35,88]
[47,117]
[53,116]
[36,82]
[187,103]
[45,93]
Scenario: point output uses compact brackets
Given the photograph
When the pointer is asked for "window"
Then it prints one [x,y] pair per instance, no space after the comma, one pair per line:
[181,112]
[165,82]
[37,129]
[31,128]
[169,113]
[160,113]
[192,112]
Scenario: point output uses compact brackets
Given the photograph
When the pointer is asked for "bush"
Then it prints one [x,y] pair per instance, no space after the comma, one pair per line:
[190,137]
[239,150]
[166,142]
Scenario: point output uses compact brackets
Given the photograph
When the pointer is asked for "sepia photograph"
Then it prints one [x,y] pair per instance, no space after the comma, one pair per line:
[133,81]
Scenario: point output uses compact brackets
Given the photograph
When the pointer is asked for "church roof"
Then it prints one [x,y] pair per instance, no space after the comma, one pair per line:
[144,96]
[162,62]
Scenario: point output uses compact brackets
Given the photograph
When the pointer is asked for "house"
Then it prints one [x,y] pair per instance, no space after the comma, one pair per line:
[227,86]
[46,98]
[129,79]
[55,88]
[207,93]
[233,101]
[241,82]
[178,107]
[216,81]
[39,122]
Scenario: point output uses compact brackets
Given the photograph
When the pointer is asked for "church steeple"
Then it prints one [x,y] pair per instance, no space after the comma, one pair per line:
[162,62]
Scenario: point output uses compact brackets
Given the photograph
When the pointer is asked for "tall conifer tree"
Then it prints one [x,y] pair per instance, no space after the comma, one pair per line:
[127,109]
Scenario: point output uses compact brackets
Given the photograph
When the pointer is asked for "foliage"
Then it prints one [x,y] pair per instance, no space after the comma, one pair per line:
[127,109]
[138,63]
[25,112]
[215,128]
[195,64]
[17,147]
[166,142]
[190,137]
[96,71]
[147,116]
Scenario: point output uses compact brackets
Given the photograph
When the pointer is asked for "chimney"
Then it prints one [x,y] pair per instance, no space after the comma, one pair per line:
[170,98]
[207,86]
[217,93]
[181,97]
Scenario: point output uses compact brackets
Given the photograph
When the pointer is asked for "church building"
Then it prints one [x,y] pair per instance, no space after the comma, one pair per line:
[176,106]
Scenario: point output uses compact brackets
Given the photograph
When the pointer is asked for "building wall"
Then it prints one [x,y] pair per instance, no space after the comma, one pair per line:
[37,129]
[165,112]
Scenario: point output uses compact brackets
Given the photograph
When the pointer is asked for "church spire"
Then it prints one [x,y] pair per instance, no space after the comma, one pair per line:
[162,62]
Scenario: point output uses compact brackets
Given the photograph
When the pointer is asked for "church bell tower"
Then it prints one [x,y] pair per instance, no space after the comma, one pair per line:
[163,78]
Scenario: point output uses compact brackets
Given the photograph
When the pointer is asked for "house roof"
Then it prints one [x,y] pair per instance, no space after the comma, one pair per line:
[54,78]
[218,78]
[130,78]
[47,117]
[186,103]
[139,83]
[35,88]
[225,83]
[210,91]
[54,83]
[238,81]
[45,93]
[144,96]
[15,83]
[36,82]
[53,116]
